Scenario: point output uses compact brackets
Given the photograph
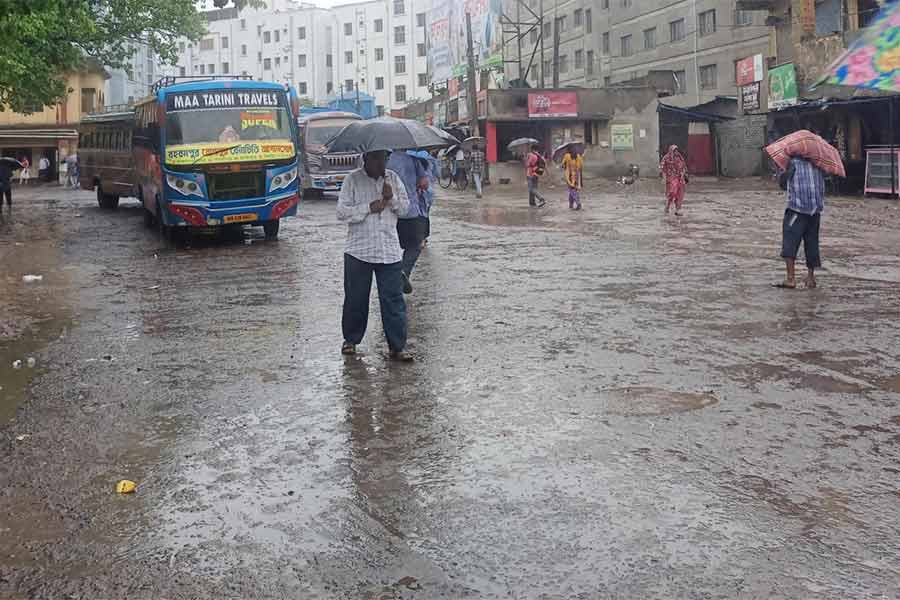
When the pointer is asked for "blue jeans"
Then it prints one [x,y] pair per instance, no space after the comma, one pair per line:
[358,287]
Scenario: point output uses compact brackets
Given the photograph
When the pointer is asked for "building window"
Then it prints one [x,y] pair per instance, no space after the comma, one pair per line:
[742,18]
[676,30]
[563,64]
[420,19]
[348,85]
[400,65]
[607,81]
[182,71]
[707,22]
[578,18]
[379,83]
[258,30]
[379,54]
[627,3]
[224,42]
[226,68]
[423,79]
[680,82]
[626,49]
[301,60]
[207,44]
[561,23]
[243,24]
[588,21]
[259,57]
[420,50]
[399,7]
[348,28]
[708,77]
[277,36]
[303,88]
[534,35]
[400,93]
[650,38]
[604,4]
[605,43]
[203,69]
[348,57]
[301,33]
[400,35]
[329,87]
[590,62]
[243,49]
[579,59]
[329,61]
[277,61]
[267,37]
[267,64]
[379,25]
[181,47]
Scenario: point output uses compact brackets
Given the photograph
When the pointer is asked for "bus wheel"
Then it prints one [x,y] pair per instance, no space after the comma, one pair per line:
[106,201]
[271,228]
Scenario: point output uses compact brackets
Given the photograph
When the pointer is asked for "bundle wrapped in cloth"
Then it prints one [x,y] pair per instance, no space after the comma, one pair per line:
[806,144]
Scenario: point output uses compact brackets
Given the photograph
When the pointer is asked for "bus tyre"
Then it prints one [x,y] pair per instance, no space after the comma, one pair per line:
[271,228]
[106,201]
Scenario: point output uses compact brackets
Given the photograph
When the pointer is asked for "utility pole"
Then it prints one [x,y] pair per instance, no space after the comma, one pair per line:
[471,96]
[555,52]
[541,25]
[519,36]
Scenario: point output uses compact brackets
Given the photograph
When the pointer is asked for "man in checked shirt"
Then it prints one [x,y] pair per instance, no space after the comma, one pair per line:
[805,185]
[370,201]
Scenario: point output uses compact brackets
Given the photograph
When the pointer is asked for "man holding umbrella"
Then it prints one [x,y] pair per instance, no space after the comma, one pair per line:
[7,166]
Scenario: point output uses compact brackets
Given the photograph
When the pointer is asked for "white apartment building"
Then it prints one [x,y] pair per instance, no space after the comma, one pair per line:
[128,85]
[377,47]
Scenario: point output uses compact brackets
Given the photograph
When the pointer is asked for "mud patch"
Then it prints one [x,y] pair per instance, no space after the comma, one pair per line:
[650,401]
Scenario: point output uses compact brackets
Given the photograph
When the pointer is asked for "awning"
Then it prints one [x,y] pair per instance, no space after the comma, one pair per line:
[693,115]
[55,133]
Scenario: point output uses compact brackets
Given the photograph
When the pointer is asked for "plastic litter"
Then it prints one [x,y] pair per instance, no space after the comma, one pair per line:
[32,278]
[126,486]
[17,364]
[22,438]
[31,362]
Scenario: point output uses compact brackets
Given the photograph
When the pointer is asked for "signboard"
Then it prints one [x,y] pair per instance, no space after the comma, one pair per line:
[441,57]
[749,70]
[622,136]
[463,104]
[750,97]
[224,99]
[552,105]
[213,152]
[487,31]
[782,86]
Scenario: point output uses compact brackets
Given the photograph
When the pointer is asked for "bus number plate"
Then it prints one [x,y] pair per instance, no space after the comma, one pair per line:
[239,218]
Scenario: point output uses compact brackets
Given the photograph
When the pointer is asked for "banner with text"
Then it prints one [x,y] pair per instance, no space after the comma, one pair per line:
[441,57]
[750,70]
[552,105]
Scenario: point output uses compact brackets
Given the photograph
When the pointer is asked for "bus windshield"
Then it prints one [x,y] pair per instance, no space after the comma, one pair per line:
[223,127]
[319,131]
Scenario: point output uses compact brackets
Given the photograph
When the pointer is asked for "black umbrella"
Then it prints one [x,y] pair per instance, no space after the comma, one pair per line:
[13,163]
[385,133]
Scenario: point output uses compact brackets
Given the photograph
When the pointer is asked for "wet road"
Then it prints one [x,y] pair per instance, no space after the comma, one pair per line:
[607,404]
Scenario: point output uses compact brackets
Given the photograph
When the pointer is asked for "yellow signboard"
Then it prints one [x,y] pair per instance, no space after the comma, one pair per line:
[217,152]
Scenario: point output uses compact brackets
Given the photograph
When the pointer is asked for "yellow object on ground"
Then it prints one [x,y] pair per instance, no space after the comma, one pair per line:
[126,487]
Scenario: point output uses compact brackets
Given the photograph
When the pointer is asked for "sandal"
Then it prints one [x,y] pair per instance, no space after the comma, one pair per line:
[348,349]
[785,285]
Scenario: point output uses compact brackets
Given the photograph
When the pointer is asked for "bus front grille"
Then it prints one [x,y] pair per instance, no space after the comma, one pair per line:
[236,186]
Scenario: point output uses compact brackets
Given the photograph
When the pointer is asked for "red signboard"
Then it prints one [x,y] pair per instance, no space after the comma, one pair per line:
[552,105]
[749,70]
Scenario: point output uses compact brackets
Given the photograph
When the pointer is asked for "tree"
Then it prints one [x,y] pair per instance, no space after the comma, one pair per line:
[43,40]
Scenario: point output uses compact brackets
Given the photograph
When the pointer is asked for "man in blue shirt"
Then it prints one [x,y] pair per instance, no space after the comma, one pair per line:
[412,228]
[805,185]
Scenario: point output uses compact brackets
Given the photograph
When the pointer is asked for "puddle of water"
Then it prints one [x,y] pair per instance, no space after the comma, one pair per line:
[649,401]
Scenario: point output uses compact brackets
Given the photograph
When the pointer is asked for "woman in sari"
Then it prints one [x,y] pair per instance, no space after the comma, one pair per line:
[572,164]
[673,168]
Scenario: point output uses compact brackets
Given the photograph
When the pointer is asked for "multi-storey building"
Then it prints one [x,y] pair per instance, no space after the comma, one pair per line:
[604,42]
[127,85]
[376,47]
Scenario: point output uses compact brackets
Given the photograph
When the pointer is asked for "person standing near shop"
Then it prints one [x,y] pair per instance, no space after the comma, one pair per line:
[25,171]
[572,164]
[370,201]
[534,168]
[6,174]
[805,185]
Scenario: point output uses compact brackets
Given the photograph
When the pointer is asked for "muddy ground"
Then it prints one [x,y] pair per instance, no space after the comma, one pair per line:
[606,404]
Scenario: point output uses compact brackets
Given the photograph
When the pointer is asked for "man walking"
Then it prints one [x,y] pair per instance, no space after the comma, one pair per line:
[411,226]
[805,184]
[6,174]
[371,198]
[534,168]
[476,157]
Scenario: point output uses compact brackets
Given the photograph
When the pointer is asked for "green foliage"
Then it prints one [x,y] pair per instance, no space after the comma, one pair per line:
[43,40]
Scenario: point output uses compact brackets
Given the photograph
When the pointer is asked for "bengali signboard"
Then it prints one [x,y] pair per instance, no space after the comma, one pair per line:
[622,136]
[441,56]
[552,105]
[749,70]
[750,97]
[782,86]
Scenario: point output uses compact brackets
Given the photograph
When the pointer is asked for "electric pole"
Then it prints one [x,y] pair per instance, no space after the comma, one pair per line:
[541,25]
[555,53]
[471,95]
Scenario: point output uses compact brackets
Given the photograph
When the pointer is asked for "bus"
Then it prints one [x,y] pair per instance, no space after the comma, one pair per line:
[105,157]
[216,151]
[323,171]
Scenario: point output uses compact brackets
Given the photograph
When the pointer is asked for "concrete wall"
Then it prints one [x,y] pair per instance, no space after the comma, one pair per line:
[67,112]
[740,144]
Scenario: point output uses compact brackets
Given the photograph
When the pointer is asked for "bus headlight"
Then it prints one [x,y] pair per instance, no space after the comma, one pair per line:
[186,187]
[282,180]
